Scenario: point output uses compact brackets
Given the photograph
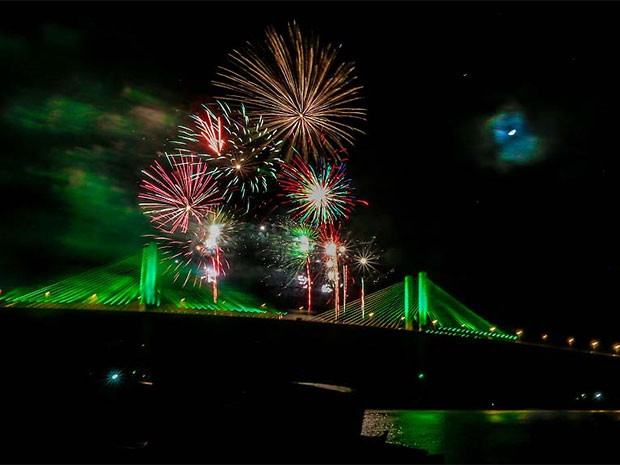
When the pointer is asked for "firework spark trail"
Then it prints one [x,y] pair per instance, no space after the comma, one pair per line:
[364,260]
[201,251]
[300,89]
[205,138]
[334,247]
[173,198]
[298,246]
[319,196]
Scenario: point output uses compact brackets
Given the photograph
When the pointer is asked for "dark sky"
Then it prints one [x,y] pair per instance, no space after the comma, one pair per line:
[526,242]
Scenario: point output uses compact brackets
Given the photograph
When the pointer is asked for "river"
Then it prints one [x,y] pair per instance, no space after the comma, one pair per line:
[503,436]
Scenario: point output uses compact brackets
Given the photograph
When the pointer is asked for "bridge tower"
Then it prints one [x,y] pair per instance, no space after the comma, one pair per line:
[422,300]
[408,303]
[149,276]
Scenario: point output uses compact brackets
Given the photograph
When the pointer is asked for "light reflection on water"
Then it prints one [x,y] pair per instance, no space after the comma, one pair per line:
[503,436]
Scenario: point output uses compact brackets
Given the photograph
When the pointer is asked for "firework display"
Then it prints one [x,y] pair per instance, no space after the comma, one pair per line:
[301,90]
[278,135]
[174,196]
[296,248]
[205,137]
[201,252]
[365,259]
[319,196]
[250,160]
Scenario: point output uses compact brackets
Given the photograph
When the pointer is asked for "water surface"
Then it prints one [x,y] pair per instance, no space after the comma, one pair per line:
[503,436]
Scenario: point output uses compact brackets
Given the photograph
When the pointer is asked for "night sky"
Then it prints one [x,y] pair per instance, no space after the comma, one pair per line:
[520,227]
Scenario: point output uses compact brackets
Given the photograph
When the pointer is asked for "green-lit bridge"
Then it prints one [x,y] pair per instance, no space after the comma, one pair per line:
[141,283]
[409,345]
[146,282]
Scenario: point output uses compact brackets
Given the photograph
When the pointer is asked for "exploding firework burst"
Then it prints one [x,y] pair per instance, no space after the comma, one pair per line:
[365,258]
[172,197]
[319,196]
[295,246]
[205,137]
[301,90]
[250,160]
[201,252]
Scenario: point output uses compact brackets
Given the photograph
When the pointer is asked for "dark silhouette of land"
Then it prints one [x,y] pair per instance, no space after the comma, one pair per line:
[225,389]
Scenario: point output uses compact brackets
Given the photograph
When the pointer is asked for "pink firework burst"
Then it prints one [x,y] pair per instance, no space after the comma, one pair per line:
[173,196]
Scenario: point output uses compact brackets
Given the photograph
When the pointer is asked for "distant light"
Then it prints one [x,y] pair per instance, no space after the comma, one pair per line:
[262,227]
[114,377]
[512,132]
[492,329]
[598,395]
[421,375]
[544,337]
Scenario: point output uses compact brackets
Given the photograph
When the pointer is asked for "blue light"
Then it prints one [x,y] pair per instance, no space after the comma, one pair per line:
[114,377]
[514,141]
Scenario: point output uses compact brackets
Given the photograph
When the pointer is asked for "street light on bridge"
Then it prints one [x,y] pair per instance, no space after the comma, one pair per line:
[616,348]
[571,341]
[594,344]
[519,333]
[544,337]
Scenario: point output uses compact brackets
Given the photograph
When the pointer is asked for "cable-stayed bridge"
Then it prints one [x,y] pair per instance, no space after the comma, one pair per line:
[410,344]
[147,282]
[415,304]
[139,283]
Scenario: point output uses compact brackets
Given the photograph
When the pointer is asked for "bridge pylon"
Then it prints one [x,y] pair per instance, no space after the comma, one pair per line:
[422,300]
[149,277]
[409,310]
